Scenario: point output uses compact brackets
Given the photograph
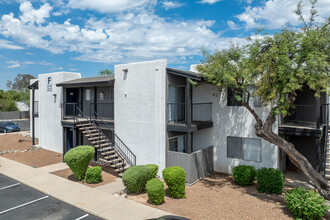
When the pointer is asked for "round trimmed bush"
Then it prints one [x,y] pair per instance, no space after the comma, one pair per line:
[155,190]
[153,170]
[135,178]
[270,180]
[78,159]
[305,204]
[175,178]
[244,175]
[93,175]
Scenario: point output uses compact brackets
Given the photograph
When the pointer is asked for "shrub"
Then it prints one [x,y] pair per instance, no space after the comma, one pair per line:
[78,159]
[175,178]
[244,175]
[135,178]
[93,175]
[270,180]
[153,170]
[155,190]
[305,204]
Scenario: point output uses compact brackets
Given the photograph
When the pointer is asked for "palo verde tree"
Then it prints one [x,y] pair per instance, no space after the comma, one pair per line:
[106,72]
[276,67]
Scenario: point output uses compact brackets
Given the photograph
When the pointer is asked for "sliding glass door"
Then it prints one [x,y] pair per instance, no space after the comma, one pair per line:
[176,104]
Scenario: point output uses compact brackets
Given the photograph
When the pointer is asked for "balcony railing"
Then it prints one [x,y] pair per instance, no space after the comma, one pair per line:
[202,111]
[69,110]
[104,110]
[302,113]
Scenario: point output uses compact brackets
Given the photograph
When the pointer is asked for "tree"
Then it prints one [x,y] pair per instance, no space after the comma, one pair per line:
[7,103]
[21,81]
[277,66]
[106,72]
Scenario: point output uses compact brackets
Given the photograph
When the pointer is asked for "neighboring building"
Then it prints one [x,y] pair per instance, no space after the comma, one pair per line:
[149,113]
[22,106]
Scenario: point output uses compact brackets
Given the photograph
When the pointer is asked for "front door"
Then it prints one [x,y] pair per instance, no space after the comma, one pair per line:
[72,99]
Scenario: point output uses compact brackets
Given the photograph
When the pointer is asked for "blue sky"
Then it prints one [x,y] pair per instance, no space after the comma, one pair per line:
[87,36]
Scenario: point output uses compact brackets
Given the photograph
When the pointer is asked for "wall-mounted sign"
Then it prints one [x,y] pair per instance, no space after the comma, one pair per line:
[49,84]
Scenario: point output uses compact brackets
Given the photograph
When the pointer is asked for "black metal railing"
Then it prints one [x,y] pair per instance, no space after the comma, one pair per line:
[36,108]
[324,118]
[302,113]
[120,147]
[202,111]
[69,110]
[176,112]
[104,110]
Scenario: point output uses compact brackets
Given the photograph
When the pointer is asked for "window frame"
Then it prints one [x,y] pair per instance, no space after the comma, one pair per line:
[242,148]
[176,137]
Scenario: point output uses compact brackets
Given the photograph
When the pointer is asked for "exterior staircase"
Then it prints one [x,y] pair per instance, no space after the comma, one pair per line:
[110,151]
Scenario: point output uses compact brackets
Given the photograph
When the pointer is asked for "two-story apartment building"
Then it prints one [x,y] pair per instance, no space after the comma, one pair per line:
[149,113]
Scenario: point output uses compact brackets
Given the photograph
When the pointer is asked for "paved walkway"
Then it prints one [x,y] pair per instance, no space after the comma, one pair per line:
[99,202]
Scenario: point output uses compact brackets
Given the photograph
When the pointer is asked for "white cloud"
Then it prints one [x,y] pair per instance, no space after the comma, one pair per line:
[171,4]
[31,15]
[232,25]
[128,36]
[276,13]
[16,63]
[5,44]
[208,1]
[111,6]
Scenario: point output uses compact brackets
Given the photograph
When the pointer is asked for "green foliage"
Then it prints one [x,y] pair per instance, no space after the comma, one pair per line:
[21,81]
[153,170]
[305,204]
[155,190]
[78,159]
[244,175]
[175,178]
[93,175]
[277,65]
[135,178]
[106,72]
[270,180]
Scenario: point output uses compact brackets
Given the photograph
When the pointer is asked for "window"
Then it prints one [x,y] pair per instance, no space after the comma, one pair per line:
[244,148]
[176,103]
[88,94]
[178,143]
[232,101]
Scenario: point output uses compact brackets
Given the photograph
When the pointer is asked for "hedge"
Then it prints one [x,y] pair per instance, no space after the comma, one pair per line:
[305,204]
[135,178]
[175,178]
[153,170]
[270,180]
[78,159]
[155,190]
[93,175]
[244,175]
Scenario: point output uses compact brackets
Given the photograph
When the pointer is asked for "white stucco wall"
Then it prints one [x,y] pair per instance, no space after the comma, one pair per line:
[230,121]
[50,128]
[140,108]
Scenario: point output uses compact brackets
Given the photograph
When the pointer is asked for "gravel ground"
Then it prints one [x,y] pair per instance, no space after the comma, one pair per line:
[218,197]
[36,158]
[67,174]
[15,142]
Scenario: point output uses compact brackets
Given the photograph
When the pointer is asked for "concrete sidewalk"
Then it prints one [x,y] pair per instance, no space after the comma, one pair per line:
[92,200]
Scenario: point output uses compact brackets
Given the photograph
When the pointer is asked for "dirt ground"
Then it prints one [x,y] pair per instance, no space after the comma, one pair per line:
[218,197]
[107,177]
[15,142]
[36,158]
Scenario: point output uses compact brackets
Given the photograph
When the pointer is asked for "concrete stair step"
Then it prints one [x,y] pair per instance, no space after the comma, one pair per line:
[118,165]
[122,169]
[116,160]
[86,128]
[92,135]
[109,154]
[104,149]
[96,138]
[327,176]
[89,131]
[100,141]
[84,124]
[102,145]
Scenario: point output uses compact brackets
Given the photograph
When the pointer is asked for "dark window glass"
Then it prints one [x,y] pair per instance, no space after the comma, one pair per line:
[234,147]
[231,100]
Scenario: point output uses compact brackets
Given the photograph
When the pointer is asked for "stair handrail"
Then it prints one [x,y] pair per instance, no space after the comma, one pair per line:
[120,154]
[130,159]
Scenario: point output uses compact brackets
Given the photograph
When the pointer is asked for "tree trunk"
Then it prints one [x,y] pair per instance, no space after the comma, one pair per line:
[264,131]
